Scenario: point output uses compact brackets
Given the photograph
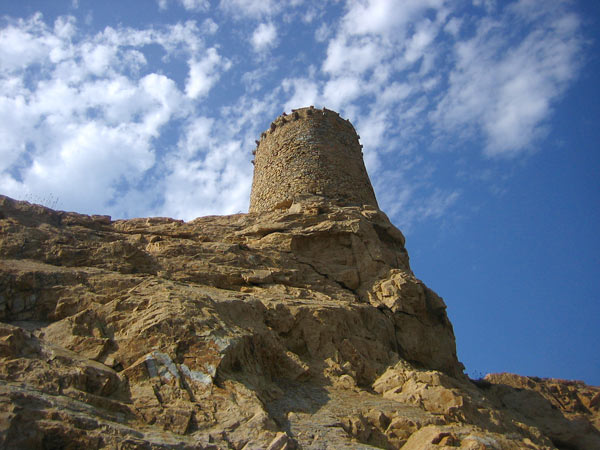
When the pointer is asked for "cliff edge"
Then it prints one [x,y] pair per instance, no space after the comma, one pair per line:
[302,327]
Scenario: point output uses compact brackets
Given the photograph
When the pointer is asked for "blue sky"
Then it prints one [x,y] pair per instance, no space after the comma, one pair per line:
[479,121]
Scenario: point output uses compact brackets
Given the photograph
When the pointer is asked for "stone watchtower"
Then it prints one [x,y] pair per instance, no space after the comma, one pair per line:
[311,151]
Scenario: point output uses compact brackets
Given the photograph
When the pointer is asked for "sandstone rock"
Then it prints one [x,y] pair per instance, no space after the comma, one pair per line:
[563,410]
[303,327]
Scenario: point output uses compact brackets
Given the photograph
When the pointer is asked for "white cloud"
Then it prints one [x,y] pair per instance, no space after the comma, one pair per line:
[211,173]
[204,73]
[305,92]
[355,56]
[84,167]
[338,92]
[425,206]
[453,26]
[197,137]
[84,128]
[253,79]
[195,5]
[189,5]
[210,26]
[424,35]
[264,37]
[65,27]
[252,8]
[488,5]
[377,39]
[249,116]
[503,84]
[372,129]
[394,93]
[179,38]
[385,16]
[85,161]
[166,99]
[15,122]
[323,32]
[24,43]
[98,58]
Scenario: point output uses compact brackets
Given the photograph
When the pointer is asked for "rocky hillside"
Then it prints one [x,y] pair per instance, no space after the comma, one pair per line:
[301,328]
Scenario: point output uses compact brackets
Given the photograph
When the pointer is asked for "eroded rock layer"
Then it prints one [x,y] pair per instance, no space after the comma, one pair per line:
[302,327]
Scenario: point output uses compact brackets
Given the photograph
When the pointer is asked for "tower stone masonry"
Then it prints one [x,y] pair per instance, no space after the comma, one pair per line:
[310,151]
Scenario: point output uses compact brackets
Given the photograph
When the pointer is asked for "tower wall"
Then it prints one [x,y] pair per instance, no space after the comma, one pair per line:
[310,151]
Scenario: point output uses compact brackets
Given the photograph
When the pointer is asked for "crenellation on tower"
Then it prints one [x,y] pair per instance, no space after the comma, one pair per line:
[313,151]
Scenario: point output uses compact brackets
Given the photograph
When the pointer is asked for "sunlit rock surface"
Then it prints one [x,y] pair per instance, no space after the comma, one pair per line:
[303,327]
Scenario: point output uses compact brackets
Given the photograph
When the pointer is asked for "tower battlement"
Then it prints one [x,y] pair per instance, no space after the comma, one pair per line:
[310,151]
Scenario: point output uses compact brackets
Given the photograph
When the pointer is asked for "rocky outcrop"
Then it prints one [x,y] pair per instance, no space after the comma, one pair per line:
[303,327]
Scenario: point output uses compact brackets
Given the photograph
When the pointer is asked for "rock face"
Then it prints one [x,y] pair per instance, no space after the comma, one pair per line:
[302,327]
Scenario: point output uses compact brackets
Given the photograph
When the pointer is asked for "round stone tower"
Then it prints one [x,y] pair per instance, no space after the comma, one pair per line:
[310,151]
